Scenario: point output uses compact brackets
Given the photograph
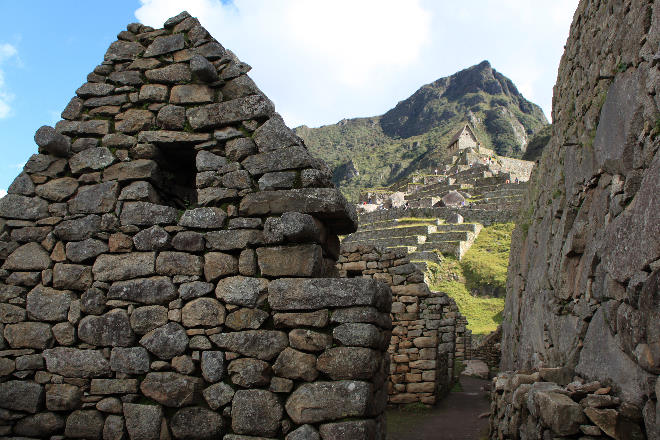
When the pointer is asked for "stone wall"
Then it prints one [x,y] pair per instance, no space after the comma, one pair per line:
[549,403]
[429,333]
[583,285]
[162,261]
[489,349]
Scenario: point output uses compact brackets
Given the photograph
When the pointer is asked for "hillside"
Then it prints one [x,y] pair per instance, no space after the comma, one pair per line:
[412,136]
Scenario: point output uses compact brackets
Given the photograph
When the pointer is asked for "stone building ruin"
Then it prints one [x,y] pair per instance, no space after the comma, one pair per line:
[168,264]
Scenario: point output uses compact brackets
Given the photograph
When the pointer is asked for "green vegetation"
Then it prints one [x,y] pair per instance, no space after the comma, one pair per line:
[537,143]
[487,260]
[483,268]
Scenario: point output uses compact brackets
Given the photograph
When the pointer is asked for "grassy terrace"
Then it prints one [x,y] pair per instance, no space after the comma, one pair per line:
[483,266]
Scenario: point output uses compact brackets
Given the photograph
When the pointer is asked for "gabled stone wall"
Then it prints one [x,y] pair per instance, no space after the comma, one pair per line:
[428,334]
[161,262]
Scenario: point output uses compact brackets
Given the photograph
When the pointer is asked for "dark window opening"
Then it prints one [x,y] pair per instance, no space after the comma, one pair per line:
[179,173]
[353,273]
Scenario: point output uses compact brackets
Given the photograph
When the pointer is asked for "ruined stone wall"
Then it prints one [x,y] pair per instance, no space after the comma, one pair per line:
[489,349]
[162,261]
[584,275]
[429,333]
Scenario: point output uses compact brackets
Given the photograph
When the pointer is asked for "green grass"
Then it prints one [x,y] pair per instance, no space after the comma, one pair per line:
[484,265]
[487,261]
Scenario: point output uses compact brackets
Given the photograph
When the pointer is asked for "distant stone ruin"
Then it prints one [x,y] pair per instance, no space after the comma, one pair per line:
[429,334]
[168,264]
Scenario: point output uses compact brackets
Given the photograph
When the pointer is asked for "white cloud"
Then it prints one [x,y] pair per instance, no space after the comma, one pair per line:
[3,192]
[7,52]
[323,60]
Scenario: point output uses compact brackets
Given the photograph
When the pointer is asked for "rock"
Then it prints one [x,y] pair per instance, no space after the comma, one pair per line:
[256,412]
[134,120]
[183,364]
[349,363]
[293,364]
[62,397]
[113,429]
[122,267]
[356,429]
[165,44]
[305,432]
[154,290]
[46,304]
[113,386]
[111,329]
[240,148]
[218,265]
[362,314]
[10,314]
[194,290]
[274,134]
[211,50]
[318,318]
[233,239]
[327,401]
[191,94]
[64,333]
[261,344]
[476,368]
[86,424]
[143,422]
[178,263]
[293,294]
[53,142]
[58,189]
[73,109]
[123,51]
[206,161]
[173,21]
[30,256]
[23,208]
[172,74]
[138,169]
[218,395]
[302,260]
[203,312]
[82,251]
[228,112]
[359,335]
[17,395]
[203,218]
[243,319]
[249,373]
[172,117]
[92,159]
[72,362]
[559,412]
[239,87]
[288,158]
[167,341]
[29,335]
[153,239]
[189,241]
[131,360]
[95,199]
[82,144]
[22,185]
[141,191]
[325,204]
[172,138]
[78,229]
[203,69]
[72,276]
[277,180]
[153,92]
[196,424]
[126,78]
[240,290]
[171,389]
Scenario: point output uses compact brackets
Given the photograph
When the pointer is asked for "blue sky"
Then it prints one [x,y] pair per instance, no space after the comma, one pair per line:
[319,61]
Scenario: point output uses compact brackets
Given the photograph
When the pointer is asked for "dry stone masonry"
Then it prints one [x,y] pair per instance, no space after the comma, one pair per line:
[163,261]
[429,333]
[583,288]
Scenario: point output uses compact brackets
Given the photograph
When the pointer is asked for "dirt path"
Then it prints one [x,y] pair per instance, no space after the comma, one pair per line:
[455,418]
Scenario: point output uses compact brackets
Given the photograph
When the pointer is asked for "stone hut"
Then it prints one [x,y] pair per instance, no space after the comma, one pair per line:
[464,138]
[163,260]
